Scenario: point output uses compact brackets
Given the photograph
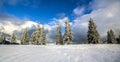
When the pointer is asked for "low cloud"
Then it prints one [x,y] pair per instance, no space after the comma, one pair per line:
[10,24]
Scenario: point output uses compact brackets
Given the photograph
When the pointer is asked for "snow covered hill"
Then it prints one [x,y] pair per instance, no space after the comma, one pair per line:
[65,53]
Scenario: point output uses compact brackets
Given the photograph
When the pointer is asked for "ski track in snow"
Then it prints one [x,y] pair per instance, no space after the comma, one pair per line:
[60,53]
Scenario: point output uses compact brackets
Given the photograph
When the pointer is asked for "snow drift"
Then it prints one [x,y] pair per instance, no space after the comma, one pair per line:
[60,53]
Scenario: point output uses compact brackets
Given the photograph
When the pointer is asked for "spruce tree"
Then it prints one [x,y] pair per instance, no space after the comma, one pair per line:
[111,37]
[4,40]
[59,40]
[13,38]
[93,35]
[67,35]
[33,38]
[1,37]
[38,37]
[43,36]
[25,37]
[108,37]
[119,38]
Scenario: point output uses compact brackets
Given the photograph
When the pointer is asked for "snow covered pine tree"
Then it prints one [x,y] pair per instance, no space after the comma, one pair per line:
[93,35]
[59,40]
[67,35]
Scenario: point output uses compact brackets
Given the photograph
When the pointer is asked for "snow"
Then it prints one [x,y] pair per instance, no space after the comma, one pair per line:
[60,53]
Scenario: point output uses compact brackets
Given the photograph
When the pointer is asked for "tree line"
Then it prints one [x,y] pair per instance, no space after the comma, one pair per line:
[38,37]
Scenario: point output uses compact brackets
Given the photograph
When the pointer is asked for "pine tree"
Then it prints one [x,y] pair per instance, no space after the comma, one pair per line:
[38,37]
[93,35]
[68,35]
[1,37]
[33,38]
[4,40]
[59,36]
[43,36]
[119,38]
[111,37]
[108,37]
[13,38]
[25,37]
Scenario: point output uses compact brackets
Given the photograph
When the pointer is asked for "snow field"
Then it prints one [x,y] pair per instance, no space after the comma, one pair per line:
[60,53]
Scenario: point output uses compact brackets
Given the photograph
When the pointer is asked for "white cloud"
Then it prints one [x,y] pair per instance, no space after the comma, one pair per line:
[97,4]
[78,11]
[106,16]
[61,21]
[28,24]
[51,27]
[10,24]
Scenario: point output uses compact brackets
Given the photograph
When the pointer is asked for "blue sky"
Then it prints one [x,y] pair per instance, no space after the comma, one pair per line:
[43,10]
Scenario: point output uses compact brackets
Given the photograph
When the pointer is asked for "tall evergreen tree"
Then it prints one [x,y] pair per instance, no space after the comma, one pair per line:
[59,35]
[13,38]
[43,36]
[108,37]
[25,37]
[67,35]
[38,37]
[119,38]
[33,38]
[1,37]
[4,40]
[111,37]
[93,35]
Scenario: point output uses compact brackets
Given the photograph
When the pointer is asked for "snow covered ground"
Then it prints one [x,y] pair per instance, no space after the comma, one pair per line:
[65,53]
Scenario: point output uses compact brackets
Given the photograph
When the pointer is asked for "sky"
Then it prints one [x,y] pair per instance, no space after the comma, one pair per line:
[15,15]
[42,10]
